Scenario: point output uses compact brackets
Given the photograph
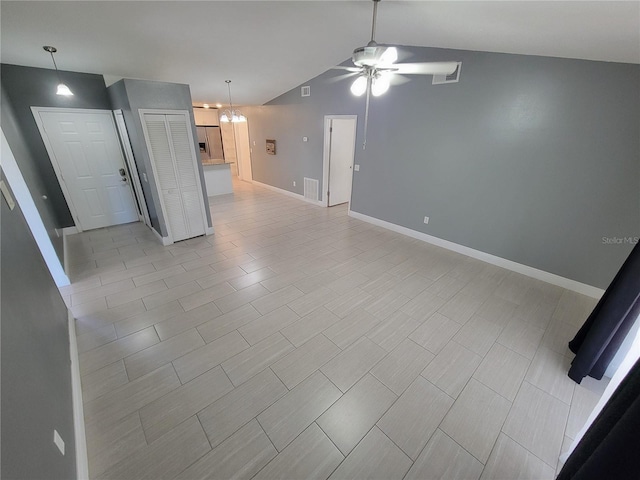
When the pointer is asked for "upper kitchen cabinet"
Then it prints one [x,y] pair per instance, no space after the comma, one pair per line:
[206,117]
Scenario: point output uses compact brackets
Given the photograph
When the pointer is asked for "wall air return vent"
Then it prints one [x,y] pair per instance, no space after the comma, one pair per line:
[452,78]
[311,187]
[305,91]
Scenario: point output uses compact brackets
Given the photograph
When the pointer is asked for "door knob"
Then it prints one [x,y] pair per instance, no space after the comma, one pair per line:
[122,172]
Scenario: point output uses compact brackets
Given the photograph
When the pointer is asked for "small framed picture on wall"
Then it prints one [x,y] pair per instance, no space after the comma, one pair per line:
[271,147]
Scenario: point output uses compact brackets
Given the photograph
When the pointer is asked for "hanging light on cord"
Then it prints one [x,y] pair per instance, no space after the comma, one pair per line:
[231,115]
[62,88]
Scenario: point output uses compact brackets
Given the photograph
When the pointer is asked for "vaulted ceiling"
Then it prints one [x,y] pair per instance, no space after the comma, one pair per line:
[269,47]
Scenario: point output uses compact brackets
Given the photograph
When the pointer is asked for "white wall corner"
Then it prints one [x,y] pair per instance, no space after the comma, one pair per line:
[31,214]
[532,272]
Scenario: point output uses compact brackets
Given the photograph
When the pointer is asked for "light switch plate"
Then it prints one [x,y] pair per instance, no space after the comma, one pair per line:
[57,439]
[356,167]
[7,195]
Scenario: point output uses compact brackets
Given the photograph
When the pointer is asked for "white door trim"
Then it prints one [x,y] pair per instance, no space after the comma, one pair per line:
[123,133]
[52,158]
[244,162]
[194,156]
[326,151]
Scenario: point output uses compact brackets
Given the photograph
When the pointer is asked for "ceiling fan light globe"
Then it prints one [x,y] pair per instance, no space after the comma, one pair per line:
[389,56]
[359,86]
[380,85]
[64,90]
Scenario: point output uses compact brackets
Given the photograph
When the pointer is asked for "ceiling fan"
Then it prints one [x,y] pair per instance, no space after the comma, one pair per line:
[376,69]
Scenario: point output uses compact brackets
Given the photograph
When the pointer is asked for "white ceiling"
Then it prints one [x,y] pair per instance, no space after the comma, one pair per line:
[269,47]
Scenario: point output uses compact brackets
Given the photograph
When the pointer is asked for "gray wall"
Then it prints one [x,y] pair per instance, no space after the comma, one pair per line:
[132,95]
[22,88]
[119,100]
[36,375]
[532,159]
[287,119]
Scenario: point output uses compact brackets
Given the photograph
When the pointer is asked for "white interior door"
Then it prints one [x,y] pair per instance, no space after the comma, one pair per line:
[86,155]
[244,151]
[342,134]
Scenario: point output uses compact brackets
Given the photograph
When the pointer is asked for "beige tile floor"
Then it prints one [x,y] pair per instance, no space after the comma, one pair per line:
[300,343]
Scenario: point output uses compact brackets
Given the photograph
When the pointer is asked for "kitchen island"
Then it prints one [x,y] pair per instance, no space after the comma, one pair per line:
[217,177]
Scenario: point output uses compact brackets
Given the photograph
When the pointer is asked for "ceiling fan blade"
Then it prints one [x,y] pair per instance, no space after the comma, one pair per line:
[397,79]
[349,69]
[427,68]
[339,78]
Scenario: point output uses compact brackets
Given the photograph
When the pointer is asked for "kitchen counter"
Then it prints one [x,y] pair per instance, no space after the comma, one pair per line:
[217,178]
[213,161]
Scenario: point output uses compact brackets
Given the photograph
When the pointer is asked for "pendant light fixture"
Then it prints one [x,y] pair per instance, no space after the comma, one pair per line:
[62,88]
[231,115]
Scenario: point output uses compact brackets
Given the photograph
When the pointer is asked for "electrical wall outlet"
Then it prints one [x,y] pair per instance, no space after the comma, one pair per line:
[294,183]
[356,167]
[305,139]
[426,219]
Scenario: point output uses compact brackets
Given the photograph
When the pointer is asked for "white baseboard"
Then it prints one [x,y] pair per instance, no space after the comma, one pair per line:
[164,240]
[82,461]
[289,194]
[532,272]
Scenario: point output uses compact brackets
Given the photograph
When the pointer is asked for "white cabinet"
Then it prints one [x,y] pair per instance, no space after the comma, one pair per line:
[206,117]
[172,150]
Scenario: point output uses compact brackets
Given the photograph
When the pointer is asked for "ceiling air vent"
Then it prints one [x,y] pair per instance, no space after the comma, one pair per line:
[305,91]
[452,78]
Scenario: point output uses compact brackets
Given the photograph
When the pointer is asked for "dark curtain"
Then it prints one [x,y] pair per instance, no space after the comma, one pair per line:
[598,340]
[610,448]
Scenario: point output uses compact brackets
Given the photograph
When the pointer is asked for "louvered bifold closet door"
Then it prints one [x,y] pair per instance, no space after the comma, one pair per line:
[187,174]
[164,165]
